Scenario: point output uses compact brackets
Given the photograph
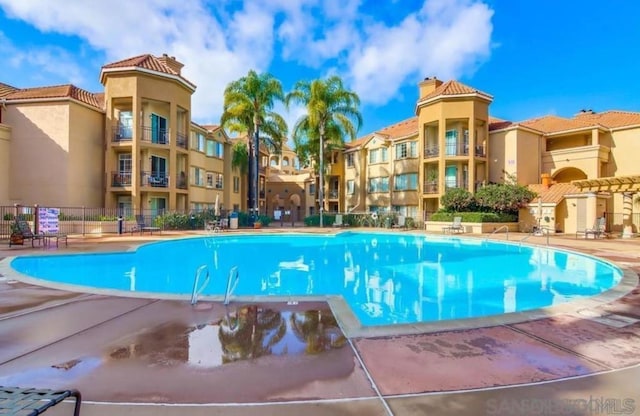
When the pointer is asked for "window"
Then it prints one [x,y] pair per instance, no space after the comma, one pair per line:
[236,184]
[159,129]
[210,179]
[197,176]
[406,182]
[384,157]
[380,184]
[349,160]
[451,139]
[211,148]
[219,152]
[351,187]
[373,156]
[125,125]
[219,180]
[124,162]
[312,189]
[406,150]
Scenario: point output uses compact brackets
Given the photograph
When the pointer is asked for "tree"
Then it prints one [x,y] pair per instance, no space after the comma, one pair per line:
[248,108]
[331,112]
[458,200]
[503,198]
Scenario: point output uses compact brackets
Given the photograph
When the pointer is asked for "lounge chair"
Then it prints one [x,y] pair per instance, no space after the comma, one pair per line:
[29,401]
[141,226]
[24,229]
[597,231]
[338,221]
[455,227]
[401,222]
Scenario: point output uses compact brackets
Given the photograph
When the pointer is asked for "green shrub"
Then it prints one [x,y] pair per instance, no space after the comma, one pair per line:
[504,198]
[474,216]
[458,200]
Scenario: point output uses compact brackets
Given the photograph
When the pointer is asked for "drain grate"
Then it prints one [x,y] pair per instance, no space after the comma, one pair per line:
[609,319]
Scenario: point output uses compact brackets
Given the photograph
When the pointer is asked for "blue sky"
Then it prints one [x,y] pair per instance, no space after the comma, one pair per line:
[535,57]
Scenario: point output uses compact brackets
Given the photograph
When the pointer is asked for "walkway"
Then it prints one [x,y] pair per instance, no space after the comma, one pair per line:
[133,356]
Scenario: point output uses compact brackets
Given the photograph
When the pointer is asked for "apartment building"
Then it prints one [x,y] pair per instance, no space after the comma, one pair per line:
[582,167]
[132,147]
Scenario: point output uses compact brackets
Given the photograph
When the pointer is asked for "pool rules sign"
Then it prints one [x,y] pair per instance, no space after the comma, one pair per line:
[48,220]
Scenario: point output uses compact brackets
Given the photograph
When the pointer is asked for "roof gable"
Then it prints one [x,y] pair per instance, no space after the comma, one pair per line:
[145,62]
[452,88]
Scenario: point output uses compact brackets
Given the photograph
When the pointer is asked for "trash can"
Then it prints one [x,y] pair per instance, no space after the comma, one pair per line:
[233,221]
[120,219]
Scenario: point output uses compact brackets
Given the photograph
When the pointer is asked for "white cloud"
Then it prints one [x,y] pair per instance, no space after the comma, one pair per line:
[219,41]
[48,62]
[447,38]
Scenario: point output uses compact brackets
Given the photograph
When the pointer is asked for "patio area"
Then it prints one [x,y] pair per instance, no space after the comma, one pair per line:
[131,356]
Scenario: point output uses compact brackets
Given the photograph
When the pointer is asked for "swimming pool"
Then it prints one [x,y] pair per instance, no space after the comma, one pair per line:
[386,278]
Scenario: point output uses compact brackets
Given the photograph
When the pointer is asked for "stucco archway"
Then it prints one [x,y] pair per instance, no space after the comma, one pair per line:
[567,175]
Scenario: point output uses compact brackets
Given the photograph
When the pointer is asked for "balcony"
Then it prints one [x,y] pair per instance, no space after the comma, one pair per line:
[155,135]
[430,188]
[154,179]
[456,183]
[181,140]
[122,133]
[431,151]
[182,181]
[454,149]
[120,179]
[333,194]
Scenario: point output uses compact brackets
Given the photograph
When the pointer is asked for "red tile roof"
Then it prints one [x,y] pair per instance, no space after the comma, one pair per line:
[452,88]
[58,91]
[554,124]
[587,120]
[148,62]
[6,89]
[358,142]
[611,119]
[554,194]
[402,129]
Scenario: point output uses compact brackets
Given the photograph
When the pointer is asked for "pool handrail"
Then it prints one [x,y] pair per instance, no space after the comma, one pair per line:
[196,291]
[506,227]
[232,282]
[543,230]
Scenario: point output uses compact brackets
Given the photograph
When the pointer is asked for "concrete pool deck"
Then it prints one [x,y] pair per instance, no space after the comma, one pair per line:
[132,356]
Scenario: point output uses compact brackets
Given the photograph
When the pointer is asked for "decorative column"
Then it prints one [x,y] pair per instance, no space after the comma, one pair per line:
[627,211]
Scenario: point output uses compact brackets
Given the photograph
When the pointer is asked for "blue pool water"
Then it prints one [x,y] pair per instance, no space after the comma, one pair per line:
[385,278]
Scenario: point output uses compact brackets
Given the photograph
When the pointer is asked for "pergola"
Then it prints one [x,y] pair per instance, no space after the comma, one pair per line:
[626,185]
[614,184]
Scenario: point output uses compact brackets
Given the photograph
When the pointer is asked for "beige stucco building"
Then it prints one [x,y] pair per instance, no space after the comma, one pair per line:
[582,167]
[132,147]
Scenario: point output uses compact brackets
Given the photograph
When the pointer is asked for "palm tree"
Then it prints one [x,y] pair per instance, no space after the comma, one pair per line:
[248,105]
[331,113]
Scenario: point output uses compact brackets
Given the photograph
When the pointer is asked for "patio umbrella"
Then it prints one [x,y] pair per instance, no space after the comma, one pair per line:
[216,209]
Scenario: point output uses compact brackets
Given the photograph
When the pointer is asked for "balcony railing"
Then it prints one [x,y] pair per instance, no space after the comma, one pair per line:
[454,149]
[431,151]
[156,136]
[122,133]
[181,139]
[334,194]
[120,179]
[430,188]
[450,183]
[155,179]
[182,181]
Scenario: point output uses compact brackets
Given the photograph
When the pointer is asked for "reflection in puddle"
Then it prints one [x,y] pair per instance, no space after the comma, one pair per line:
[246,333]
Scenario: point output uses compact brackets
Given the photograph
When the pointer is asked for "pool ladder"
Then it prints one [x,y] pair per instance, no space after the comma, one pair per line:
[196,280]
[232,282]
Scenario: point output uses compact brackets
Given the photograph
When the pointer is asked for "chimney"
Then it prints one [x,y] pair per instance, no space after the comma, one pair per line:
[585,112]
[171,62]
[428,85]
[545,179]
